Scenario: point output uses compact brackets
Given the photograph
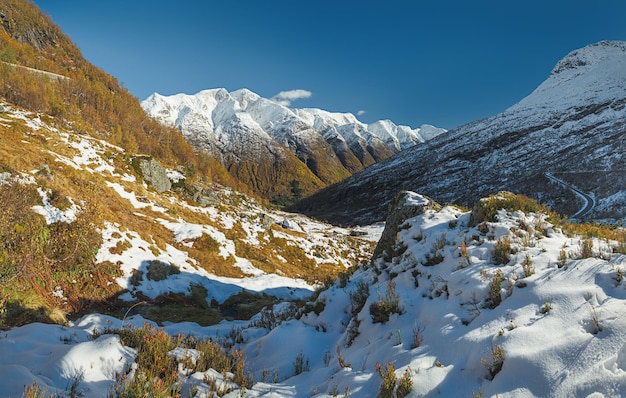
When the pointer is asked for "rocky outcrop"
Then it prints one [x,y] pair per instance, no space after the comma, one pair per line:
[155,174]
[403,206]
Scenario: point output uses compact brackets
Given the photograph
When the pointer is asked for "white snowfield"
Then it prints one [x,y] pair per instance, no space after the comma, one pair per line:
[560,326]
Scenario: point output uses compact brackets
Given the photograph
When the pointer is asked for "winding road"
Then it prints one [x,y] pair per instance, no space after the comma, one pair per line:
[590,201]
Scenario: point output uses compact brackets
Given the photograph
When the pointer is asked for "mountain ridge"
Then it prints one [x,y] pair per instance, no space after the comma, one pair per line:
[572,126]
[331,145]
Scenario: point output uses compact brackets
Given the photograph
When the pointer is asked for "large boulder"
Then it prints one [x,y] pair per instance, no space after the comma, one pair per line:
[155,174]
[403,206]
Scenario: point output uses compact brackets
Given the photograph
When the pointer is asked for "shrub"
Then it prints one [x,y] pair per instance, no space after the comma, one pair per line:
[495,286]
[358,298]
[389,379]
[546,307]
[158,271]
[502,250]
[527,266]
[405,384]
[157,372]
[418,338]
[352,332]
[487,209]
[586,246]
[619,276]
[386,305]
[464,254]
[301,364]
[562,259]
[495,361]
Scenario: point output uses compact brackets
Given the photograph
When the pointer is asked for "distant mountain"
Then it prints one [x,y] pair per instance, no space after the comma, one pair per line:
[281,152]
[564,139]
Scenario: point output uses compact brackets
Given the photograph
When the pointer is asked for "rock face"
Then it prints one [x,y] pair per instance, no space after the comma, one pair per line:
[403,206]
[154,173]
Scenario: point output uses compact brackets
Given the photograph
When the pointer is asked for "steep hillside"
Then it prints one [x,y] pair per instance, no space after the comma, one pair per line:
[571,127]
[34,53]
[87,225]
[281,153]
[94,194]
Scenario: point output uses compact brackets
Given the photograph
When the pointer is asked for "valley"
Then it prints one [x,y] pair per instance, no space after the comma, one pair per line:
[222,244]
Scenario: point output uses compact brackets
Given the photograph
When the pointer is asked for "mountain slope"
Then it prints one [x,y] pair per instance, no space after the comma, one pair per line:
[572,126]
[512,307]
[43,71]
[320,147]
[86,224]
[99,200]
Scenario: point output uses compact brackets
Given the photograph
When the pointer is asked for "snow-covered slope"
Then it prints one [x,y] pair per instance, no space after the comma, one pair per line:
[207,234]
[449,314]
[243,125]
[572,126]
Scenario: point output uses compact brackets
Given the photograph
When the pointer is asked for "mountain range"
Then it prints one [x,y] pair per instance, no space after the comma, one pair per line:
[281,153]
[571,127]
[132,264]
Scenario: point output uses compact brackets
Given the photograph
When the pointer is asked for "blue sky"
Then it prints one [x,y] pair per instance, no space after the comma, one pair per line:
[412,61]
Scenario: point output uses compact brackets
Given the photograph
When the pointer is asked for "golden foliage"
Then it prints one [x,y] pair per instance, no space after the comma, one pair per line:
[89,101]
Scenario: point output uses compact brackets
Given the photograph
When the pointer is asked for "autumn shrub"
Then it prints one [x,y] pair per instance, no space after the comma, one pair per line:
[502,251]
[386,305]
[586,248]
[562,259]
[405,384]
[494,362]
[527,266]
[389,377]
[487,209]
[37,258]
[546,307]
[358,298]
[157,371]
[495,287]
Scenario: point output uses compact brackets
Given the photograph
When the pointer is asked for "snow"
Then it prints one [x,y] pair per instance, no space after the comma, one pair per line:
[132,198]
[55,356]
[577,347]
[217,117]
[53,214]
[412,199]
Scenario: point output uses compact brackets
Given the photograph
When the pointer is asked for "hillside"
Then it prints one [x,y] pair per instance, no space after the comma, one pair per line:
[94,194]
[85,218]
[507,303]
[281,153]
[571,127]
[34,52]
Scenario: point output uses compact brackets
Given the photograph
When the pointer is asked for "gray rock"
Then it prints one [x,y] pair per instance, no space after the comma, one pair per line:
[266,221]
[154,173]
[403,206]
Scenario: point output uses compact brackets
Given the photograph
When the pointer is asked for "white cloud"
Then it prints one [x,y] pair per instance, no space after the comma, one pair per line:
[360,113]
[287,97]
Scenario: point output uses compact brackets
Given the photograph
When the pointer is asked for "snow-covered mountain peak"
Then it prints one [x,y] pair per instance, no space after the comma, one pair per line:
[595,73]
[593,54]
[332,145]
